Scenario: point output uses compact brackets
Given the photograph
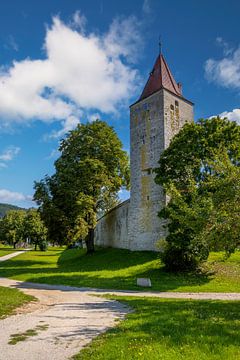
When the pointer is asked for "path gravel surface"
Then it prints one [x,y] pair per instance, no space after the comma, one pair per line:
[9,256]
[71,320]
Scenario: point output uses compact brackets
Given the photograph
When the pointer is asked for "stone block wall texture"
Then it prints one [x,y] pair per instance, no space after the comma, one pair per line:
[134,224]
[112,229]
[154,122]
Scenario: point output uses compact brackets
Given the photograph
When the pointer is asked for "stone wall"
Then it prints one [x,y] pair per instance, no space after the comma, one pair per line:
[112,229]
[135,224]
[177,112]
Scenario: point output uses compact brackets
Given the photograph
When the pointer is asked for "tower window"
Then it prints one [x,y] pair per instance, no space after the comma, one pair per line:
[177,110]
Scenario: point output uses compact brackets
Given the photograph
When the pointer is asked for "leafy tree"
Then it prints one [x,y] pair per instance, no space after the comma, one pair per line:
[53,217]
[91,170]
[12,227]
[222,230]
[181,250]
[34,229]
[193,171]
[189,154]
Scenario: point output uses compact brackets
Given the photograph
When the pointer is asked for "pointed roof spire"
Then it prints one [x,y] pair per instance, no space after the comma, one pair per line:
[160,77]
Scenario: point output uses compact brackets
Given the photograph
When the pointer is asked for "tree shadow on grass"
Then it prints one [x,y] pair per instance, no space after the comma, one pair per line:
[98,281]
[107,269]
[104,259]
[187,321]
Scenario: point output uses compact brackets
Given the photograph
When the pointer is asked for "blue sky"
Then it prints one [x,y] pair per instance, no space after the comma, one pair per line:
[65,61]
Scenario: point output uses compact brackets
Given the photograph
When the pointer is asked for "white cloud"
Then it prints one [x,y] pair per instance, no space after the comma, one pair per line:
[79,21]
[123,40]
[146,8]
[233,115]
[53,154]
[9,153]
[227,49]
[225,72]
[13,197]
[94,117]
[67,125]
[81,72]
[11,43]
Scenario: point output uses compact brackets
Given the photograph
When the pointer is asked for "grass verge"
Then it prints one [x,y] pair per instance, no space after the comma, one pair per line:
[162,329]
[5,250]
[10,299]
[118,269]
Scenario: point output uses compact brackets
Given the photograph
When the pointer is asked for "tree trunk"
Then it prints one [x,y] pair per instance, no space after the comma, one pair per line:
[90,241]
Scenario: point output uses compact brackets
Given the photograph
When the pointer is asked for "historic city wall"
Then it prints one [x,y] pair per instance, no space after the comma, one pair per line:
[112,229]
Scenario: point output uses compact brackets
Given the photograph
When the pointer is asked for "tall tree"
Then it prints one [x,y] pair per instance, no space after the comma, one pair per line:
[90,171]
[34,229]
[12,226]
[189,171]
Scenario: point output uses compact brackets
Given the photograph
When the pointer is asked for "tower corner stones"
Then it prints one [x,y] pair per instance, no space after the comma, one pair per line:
[155,118]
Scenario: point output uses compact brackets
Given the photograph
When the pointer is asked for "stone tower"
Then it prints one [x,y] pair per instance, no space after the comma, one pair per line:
[155,118]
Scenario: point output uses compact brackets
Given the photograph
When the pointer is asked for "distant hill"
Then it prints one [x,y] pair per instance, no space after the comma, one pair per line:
[4,208]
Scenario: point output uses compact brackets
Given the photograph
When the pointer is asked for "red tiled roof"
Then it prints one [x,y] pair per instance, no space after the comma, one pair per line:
[159,78]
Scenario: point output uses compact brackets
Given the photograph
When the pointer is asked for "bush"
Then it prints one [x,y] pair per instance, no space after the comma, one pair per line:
[43,245]
[186,257]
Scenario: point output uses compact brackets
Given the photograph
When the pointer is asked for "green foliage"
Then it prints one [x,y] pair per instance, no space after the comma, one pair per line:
[21,226]
[35,230]
[222,228]
[90,171]
[200,173]
[190,152]
[43,245]
[12,227]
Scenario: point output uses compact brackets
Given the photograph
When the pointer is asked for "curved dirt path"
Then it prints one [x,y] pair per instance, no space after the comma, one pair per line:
[65,320]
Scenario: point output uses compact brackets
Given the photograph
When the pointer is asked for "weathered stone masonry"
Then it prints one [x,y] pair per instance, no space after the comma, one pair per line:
[158,115]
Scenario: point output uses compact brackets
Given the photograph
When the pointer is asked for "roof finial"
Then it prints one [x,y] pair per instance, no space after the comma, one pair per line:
[160,45]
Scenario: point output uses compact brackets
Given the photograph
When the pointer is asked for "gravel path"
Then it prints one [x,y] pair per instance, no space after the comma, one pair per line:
[71,320]
[9,256]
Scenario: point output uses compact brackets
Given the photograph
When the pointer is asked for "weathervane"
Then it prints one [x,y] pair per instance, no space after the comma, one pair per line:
[160,45]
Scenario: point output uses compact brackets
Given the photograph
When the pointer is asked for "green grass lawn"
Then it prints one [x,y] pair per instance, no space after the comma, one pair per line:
[118,269]
[5,250]
[161,329]
[10,299]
